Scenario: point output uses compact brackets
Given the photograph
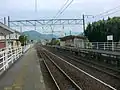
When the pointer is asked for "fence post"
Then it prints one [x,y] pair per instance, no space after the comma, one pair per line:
[12,54]
[112,46]
[97,46]
[4,61]
[104,46]
[15,54]
[6,58]
[21,51]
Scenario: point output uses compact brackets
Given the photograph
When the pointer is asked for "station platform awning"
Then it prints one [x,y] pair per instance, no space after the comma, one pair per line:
[5,30]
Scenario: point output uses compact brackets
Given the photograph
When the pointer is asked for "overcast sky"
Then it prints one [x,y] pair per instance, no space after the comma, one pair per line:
[25,9]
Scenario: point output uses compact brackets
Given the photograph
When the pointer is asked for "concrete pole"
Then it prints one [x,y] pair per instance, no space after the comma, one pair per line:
[5,40]
[21,30]
[83,23]
[5,20]
[9,27]
[8,21]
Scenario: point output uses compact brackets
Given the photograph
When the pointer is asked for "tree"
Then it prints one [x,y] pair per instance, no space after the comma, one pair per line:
[54,42]
[98,31]
[23,39]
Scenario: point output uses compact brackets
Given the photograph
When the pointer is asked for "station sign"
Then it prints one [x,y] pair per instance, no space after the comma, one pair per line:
[110,37]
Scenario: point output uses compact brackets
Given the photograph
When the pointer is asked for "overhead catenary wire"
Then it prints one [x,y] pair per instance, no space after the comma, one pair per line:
[107,12]
[111,13]
[61,8]
[66,2]
[65,8]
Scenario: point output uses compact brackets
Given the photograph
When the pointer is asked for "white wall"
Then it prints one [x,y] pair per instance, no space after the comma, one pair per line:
[12,36]
[2,37]
[79,43]
[62,43]
[69,42]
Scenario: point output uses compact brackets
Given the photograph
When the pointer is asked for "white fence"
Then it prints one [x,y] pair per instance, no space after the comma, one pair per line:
[110,46]
[9,55]
[25,48]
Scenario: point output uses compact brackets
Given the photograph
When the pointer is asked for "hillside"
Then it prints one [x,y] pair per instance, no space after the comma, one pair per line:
[34,35]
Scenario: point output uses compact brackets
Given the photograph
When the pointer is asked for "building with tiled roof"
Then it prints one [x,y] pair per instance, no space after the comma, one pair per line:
[8,36]
[74,41]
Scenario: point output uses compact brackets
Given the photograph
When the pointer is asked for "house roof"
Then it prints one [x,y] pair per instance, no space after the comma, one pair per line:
[72,37]
[5,30]
[17,32]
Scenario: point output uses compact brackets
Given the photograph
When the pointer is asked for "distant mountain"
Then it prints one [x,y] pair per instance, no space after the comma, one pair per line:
[34,35]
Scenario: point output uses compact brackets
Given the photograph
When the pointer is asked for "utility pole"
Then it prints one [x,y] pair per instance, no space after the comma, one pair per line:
[65,34]
[35,5]
[62,31]
[52,28]
[83,23]
[35,26]
[70,32]
[5,20]
[9,27]
[21,30]
[52,34]
[8,21]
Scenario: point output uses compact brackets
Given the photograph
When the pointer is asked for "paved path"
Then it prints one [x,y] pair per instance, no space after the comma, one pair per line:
[25,74]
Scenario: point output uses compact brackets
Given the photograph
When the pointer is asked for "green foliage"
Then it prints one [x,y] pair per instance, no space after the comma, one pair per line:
[54,42]
[98,31]
[23,39]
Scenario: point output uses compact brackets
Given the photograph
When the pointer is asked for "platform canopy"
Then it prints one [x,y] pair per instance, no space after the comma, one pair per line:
[5,30]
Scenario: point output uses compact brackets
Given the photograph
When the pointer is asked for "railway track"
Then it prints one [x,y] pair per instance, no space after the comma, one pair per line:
[102,68]
[108,70]
[98,67]
[107,77]
[89,82]
[60,78]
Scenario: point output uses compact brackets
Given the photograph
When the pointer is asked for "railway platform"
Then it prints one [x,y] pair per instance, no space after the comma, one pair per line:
[25,74]
[112,57]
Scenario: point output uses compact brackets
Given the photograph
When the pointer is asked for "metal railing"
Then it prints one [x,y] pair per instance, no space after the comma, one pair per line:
[110,46]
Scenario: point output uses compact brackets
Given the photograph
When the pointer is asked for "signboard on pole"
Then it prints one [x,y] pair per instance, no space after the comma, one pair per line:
[110,37]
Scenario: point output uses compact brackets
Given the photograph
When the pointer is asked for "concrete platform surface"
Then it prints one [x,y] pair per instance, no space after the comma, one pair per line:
[25,74]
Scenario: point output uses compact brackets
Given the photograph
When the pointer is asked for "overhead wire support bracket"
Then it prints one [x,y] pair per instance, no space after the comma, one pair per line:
[45,22]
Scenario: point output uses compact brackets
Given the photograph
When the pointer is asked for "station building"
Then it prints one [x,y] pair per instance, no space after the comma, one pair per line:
[8,36]
[74,41]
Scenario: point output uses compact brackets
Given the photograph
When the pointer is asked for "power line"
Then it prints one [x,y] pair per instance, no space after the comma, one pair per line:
[111,13]
[107,11]
[62,8]
[65,8]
